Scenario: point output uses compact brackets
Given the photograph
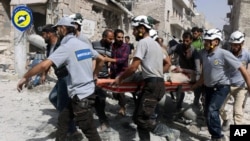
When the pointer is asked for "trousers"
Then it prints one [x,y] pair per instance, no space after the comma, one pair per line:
[239,94]
[81,111]
[214,98]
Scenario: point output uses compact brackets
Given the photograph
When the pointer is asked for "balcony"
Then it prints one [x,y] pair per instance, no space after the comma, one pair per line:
[129,4]
[227,28]
[230,2]
[175,21]
[17,2]
[229,15]
[184,3]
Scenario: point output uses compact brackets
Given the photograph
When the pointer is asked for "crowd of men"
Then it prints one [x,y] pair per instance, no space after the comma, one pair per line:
[77,62]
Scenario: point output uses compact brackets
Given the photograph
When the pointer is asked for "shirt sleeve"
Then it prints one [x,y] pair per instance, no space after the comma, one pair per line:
[232,60]
[94,53]
[197,61]
[140,51]
[59,56]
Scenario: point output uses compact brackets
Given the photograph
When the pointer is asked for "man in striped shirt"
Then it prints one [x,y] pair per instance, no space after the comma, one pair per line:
[103,47]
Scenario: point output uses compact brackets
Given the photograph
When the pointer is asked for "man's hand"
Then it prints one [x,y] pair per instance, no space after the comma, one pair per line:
[20,84]
[43,79]
[117,81]
[194,86]
[106,58]
[177,70]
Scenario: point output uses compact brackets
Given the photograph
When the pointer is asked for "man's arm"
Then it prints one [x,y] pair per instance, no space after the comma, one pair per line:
[199,82]
[129,71]
[245,75]
[166,64]
[99,62]
[109,59]
[39,68]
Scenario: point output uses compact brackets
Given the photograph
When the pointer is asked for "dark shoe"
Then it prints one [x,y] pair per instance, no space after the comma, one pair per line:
[77,136]
[225,125]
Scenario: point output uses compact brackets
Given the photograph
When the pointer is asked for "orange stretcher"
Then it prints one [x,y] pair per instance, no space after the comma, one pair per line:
[134,86]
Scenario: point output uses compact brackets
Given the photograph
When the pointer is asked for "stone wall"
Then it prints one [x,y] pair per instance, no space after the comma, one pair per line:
[6,55]
[154,8]
[98,14]
[244,21]
[240,19]
[5,23]
[158,10]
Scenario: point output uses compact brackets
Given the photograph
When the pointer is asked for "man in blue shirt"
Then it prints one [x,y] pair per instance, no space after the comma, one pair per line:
[238,84]
[217,65]
[77,56]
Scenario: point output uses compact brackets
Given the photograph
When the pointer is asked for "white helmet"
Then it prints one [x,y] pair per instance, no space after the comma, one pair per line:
[142,20]
[153,34]
[237,37]
[77,17]
[212,34]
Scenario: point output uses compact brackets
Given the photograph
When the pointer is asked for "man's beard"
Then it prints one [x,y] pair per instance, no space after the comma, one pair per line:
[60,35]
[138,38]
[235,51]
[118,43]
[47,41]
[106,44]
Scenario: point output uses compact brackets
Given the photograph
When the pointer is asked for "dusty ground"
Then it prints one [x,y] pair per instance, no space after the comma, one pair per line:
[29,116]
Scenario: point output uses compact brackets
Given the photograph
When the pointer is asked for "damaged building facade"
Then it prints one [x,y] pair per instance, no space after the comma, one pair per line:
[98,14]
[238,19]
[175,16]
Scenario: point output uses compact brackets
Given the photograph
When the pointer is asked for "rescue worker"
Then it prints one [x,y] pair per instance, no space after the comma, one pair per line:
[78,19]
[77,56]
[149,55]
[238,84]
[217,65]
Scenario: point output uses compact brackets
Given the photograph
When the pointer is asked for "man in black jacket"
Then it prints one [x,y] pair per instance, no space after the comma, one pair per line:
[59,95]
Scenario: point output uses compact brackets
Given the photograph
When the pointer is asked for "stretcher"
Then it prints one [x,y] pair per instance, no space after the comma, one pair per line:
[135,86]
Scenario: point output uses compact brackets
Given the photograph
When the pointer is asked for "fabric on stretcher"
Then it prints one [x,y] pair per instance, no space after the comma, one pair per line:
[133,86]
[134,82]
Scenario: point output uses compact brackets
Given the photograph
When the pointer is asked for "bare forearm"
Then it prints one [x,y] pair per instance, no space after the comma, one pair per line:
[188,71]
[39,68]
[246,76]
[107,59]
[166,68]
[166,64]
[199,82]
[127,73]
[98,66]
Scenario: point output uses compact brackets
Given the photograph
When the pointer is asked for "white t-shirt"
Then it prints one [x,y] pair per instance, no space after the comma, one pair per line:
[151,55]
